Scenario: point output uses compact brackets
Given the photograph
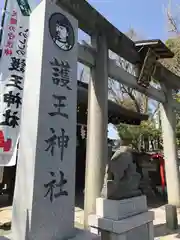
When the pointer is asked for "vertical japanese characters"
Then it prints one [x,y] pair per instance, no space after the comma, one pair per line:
[58,139]
[10,41]
[12,96]
[12,71]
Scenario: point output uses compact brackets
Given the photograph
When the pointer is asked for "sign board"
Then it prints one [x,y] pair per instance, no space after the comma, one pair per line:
[12,71]
[147,69]
[47,152]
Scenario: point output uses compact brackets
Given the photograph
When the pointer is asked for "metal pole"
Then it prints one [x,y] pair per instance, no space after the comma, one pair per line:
[2,23]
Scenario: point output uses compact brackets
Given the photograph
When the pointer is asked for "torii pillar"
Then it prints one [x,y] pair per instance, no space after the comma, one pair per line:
[97,148]
[168,123]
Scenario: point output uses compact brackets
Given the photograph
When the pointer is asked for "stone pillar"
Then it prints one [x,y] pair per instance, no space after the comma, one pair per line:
[43,207]
[170,150]
[97,148]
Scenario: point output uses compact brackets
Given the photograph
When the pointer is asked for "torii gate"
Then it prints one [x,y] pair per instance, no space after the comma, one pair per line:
[105,36]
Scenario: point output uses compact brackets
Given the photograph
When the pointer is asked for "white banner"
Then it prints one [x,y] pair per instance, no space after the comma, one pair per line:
[12,70]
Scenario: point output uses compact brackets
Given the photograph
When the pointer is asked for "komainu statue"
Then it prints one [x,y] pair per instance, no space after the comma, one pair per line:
[121,179]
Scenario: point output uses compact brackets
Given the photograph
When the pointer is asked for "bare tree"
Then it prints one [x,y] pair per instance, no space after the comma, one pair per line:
[122,94]
[172,12]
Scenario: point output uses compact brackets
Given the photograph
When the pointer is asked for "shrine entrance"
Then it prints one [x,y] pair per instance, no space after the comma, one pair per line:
[39,169]
[116,114]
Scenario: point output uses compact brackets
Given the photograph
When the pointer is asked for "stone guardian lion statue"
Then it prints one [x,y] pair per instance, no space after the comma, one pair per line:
[121,179]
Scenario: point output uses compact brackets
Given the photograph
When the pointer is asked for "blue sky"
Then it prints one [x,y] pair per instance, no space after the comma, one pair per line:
[147,17]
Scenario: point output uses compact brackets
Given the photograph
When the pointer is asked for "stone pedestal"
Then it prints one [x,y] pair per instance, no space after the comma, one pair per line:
[171,217]
[79,235]
[122,220]
[85,235]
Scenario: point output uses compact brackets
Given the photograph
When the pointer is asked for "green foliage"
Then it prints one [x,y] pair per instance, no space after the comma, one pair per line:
[176,96]
[140,136]
[173,64]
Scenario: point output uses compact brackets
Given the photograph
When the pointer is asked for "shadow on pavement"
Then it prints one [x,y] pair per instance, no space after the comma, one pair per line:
[79,201]
[155,202]
[178,236]
[161,231]
[6,227]
[4,202]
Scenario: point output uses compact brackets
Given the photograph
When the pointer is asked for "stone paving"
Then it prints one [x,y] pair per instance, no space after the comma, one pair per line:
[161,232]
